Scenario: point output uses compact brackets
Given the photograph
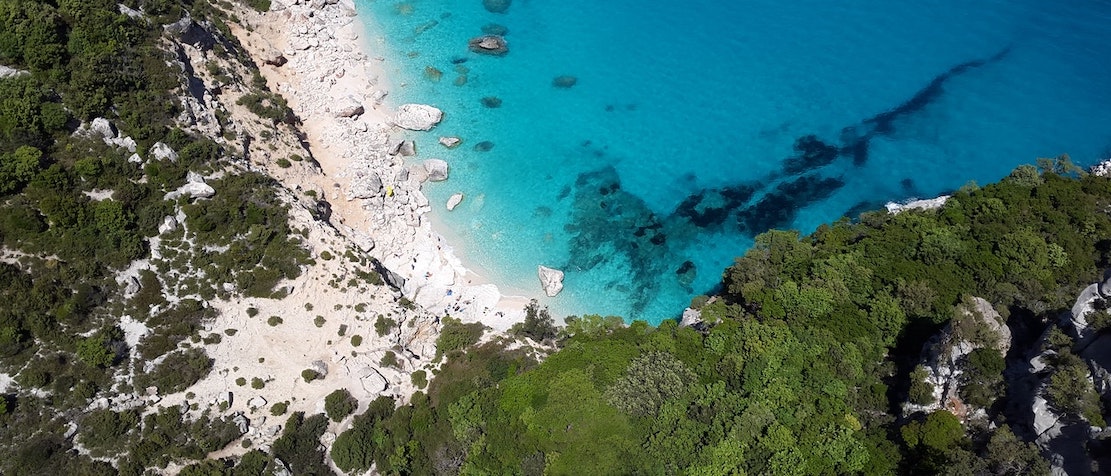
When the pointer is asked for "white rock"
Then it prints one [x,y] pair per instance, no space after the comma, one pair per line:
[102,128]
[450,142]
[691,317]
[454,201]
[930,204]
[162,151]
[168,224]
[437,170]
[417,117]
[135,159]
[551,280]
[365,186]
[348,106]
[8,72]
[194,187]
[256,402]
[373,382]
[241,422]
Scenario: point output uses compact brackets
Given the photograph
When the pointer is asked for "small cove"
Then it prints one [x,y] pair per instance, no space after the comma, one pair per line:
[693,126]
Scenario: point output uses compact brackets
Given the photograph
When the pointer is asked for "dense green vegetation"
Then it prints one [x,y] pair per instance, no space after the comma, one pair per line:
[798,368]
[75,211]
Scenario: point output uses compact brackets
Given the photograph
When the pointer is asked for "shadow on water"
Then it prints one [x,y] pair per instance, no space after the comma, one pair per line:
[614,227]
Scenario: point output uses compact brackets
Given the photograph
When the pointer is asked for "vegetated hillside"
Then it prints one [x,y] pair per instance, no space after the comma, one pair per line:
[102,174]
[810,362]
[803,365]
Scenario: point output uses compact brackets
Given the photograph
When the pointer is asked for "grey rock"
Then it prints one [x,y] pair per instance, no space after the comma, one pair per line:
[373,382]
[9,72]
[256,402]
[161,151]
[417,117]
[274,58]
[437,170]
[320,367]
[691,317]
[168,224]
[132,287]
[551,280]
[281,469]
[100,127]
[130,12]
[450,142]
[408,148]
[493,45]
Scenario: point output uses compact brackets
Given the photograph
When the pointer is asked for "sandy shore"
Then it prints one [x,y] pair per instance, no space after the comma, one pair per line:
[330,62]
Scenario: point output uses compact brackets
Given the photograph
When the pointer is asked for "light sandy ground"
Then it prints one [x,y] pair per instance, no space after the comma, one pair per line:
[327,62]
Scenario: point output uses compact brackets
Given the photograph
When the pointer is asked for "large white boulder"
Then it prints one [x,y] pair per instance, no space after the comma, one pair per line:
[417,117]
[551,280]
[454,201]
[194,187]
[437,170]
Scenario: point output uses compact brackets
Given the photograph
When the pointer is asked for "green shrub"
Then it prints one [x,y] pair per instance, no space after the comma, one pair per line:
[339,404]
[456,335]
[383,325]
[420,379]
[274,321]
[279,409]
[319,321]
[356,340]
[240,381]
[257,383]
[283,163]
[309,375]
[389,359]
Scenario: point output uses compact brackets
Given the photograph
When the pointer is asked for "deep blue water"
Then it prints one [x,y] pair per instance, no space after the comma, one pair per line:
[695,125]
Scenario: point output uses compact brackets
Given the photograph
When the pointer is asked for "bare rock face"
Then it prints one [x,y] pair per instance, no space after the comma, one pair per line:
[161,151]
[493,45]
[194,187]
[978,325]
[417,117]
[437,170]
[454,201]
[551,280]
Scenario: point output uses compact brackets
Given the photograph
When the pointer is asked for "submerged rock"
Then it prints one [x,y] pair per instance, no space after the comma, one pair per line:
[492,102]
[565,81]
[551,280]
[495,29]
[496,6]
[417,117]
[484,146]
[433,74]
[489,45]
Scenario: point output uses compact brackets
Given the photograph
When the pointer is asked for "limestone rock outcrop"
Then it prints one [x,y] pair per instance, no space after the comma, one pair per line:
[489,45]
[194,187]
[437,170]
[454,201]
[551,280]
[977,325]
[417,117]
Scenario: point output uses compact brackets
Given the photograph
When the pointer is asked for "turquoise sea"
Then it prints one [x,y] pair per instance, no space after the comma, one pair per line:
[693,126]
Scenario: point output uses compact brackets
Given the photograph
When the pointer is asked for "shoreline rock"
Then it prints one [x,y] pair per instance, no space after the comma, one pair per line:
[417,117]
[550,279]
[493,45]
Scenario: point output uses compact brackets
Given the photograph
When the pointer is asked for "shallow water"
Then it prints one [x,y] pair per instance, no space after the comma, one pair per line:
[680,139]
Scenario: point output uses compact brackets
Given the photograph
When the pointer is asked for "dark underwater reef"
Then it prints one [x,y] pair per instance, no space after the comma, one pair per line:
[609,224]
